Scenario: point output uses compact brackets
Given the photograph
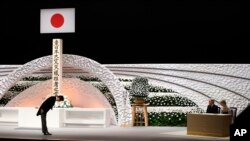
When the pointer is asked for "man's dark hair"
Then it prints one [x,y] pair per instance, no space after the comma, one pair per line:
[61,97]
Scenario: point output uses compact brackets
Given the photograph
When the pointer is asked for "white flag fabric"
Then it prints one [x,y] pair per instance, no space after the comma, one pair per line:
[60,20]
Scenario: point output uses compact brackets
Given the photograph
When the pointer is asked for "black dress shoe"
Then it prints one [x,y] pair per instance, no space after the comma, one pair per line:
[47,133]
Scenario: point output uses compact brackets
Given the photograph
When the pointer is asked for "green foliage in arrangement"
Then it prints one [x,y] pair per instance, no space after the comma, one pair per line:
[37,78]
[19,88]
[125,80]
[170,101]
[7,97]
[156,89]
[88,78]
[160,89]
[102,87]
[167,119]
[162,119]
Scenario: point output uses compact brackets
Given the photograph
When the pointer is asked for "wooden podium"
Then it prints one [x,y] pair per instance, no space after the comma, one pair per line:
[209,124]
[145,113]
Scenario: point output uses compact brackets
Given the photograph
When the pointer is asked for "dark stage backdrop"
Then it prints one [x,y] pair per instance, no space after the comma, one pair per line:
[131,31]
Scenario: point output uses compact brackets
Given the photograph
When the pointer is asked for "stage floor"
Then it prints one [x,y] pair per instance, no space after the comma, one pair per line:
[104,134]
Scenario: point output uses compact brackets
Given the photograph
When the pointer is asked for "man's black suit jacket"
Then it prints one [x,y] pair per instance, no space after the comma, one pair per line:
[212,109]
[47,105]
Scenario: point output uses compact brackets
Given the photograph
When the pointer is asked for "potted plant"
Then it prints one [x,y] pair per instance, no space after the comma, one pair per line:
[139,89]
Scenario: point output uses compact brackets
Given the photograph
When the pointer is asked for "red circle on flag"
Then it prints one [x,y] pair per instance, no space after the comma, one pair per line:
[57,20]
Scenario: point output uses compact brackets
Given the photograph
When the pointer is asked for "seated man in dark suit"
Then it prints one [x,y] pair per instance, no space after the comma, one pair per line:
[212,108]
[44,108]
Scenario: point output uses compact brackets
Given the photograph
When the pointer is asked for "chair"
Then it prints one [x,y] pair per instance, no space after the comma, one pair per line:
[233,111]
[219,109]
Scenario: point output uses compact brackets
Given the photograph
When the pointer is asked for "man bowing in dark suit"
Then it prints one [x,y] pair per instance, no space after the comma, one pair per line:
[44,108]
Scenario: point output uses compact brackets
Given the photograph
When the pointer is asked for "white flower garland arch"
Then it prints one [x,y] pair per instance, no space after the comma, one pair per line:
[121,96]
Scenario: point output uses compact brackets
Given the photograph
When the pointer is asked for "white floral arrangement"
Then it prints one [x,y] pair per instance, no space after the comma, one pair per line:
[139,87]
[63,104]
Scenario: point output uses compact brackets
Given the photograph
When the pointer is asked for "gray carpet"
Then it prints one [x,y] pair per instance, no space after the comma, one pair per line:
[24,128]
[105,134]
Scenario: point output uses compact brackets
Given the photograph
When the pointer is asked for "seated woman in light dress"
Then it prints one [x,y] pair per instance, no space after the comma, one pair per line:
[224,108]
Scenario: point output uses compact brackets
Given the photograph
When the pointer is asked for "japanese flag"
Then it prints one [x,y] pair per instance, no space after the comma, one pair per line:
[57,20]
